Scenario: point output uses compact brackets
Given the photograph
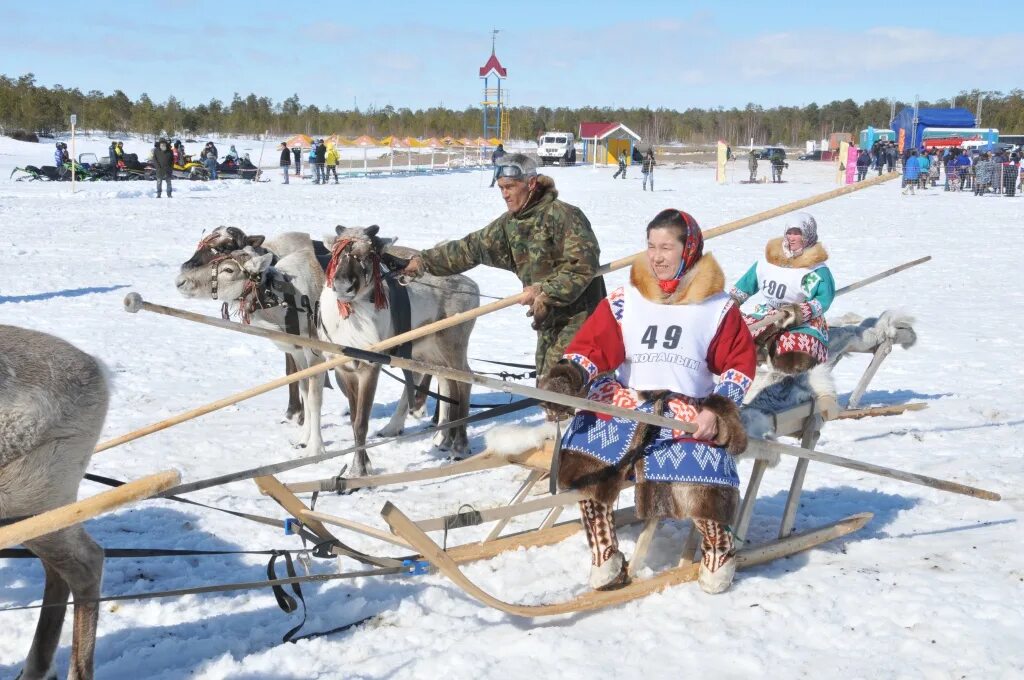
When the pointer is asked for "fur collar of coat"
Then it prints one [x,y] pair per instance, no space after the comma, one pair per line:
[702,281]
[774,253]
[543,194]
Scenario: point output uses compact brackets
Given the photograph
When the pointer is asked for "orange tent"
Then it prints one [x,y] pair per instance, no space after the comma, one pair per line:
[302,141]
[397,143]
[480,141]
[365,141]
[433,143]
[414,143]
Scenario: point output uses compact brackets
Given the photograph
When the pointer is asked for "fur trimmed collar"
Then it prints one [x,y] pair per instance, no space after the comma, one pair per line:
[701,282]
[775,255]
[544,193]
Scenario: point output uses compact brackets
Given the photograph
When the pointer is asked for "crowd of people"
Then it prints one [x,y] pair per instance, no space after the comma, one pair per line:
[982,172]
[323,158]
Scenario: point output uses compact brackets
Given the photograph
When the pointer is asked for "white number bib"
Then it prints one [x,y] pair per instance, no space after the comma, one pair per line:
[667,345]
[782,285]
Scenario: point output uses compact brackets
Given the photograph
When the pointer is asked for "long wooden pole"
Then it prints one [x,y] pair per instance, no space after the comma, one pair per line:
[133,300]
[352,353]
[76,513]
[766,215]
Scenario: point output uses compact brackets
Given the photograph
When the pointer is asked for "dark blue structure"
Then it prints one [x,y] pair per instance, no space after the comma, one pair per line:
[913,123]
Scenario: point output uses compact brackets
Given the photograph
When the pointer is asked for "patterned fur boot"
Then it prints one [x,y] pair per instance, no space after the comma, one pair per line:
[611,574]
[718,565]
[607,565]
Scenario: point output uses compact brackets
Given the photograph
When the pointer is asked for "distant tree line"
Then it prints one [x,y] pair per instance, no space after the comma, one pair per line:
[25,105]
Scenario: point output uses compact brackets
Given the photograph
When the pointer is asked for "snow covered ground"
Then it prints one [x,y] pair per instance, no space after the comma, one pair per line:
[933,587]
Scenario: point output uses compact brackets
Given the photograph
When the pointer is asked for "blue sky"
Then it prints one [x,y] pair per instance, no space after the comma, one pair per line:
[419,54]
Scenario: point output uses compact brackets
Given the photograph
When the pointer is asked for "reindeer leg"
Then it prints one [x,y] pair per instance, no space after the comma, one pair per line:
[73,562]
[39,663]
[396,425]
[361,417]
[295,411]
[301,363]
[442,439]
[419,404]
[314,404]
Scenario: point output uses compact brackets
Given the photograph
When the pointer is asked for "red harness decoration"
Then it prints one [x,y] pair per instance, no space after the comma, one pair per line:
[380,299]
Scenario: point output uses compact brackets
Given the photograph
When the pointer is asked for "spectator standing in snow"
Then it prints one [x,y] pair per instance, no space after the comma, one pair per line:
[863,163]
[911,172]
[297,152]
[331,158]
[163,161]
[320,156]
[286,160]
[925,166]
[638,157]
[622,166]
[647,168]
[752,165]
[496,156]
[210,159]
[312,159]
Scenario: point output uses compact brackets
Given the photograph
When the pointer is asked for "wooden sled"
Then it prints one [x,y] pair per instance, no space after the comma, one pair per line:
[773,550]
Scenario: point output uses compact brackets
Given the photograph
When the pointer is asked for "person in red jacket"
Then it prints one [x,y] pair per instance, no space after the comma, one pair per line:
[657,345]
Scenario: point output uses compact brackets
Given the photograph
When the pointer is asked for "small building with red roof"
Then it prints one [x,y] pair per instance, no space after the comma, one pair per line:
[602,142]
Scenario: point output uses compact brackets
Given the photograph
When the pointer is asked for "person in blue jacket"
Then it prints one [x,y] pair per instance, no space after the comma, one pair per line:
[911,172]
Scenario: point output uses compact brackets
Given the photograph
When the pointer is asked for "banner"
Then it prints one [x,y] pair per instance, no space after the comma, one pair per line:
[851,164]
[844,151]
[902,139]
[720,168]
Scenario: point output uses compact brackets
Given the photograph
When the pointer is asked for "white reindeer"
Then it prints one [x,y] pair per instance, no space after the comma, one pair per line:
[224,240]
[53,400]
[352,308]
[243,277]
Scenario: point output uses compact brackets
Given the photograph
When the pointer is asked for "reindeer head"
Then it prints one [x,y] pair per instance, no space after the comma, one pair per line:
[220,241]
[355,262]
[228,276]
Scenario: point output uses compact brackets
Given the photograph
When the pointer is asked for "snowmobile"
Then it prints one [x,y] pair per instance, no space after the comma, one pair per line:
[241,169]
[193,170]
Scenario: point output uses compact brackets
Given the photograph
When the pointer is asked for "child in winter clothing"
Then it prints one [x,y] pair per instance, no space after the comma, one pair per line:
[622,166]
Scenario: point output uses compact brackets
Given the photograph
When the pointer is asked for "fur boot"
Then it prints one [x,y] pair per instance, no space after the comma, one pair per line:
[718,563]
[608,569]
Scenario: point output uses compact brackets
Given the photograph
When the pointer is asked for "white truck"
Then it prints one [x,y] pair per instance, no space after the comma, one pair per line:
[557,147]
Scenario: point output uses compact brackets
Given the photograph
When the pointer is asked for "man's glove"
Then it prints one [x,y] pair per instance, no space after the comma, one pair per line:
[539,310]
[414,268]
[565,377]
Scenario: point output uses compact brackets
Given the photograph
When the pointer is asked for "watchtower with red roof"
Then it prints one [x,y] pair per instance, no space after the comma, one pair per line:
[495,98]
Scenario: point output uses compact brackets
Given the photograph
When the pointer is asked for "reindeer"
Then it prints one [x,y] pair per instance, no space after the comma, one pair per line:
[243,277]
[354,311]
[224,240]
[53,400]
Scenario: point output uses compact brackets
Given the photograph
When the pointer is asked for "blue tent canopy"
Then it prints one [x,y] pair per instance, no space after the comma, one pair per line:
[949,118]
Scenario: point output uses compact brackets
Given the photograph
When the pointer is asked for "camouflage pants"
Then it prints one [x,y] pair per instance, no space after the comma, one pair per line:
[551,342]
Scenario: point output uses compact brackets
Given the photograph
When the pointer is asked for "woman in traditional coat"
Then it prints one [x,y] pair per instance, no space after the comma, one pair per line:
[657,346]
[793,279]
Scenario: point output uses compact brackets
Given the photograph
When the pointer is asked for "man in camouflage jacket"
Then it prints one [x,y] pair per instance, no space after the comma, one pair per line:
[547,243]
